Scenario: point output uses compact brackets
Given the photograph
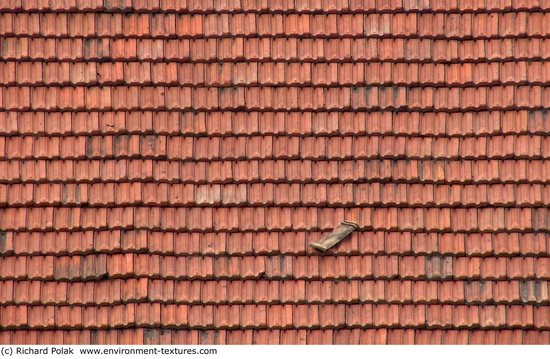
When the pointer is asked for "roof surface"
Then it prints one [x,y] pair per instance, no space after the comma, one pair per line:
[164,165]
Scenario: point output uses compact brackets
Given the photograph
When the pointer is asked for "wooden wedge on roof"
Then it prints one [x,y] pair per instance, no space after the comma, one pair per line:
[331,239]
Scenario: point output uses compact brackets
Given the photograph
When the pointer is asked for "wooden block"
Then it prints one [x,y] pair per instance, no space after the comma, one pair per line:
[334,237]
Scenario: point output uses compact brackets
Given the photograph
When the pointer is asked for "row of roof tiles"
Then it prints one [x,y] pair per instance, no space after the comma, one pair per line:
[284,194]
[286,5]
[274,98]
[445,25]
[273,147]
[264,5]
[479,123]
[276,336]
[275,218]
[116,291]
[274,49]
[272,73]
[276,316]
[281,171]
[503,244]
[93,267]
